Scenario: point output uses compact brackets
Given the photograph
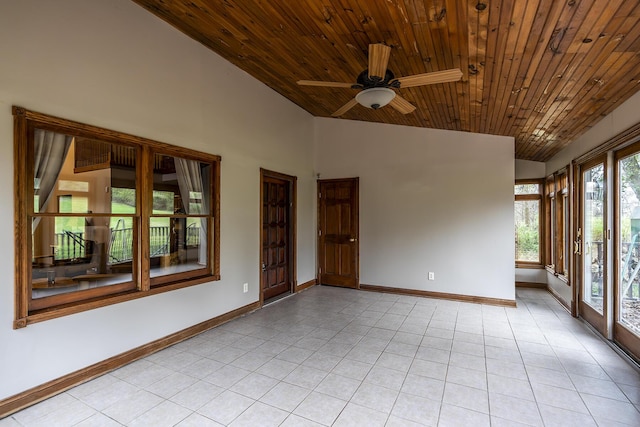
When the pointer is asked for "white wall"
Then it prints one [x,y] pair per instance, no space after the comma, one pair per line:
[527,169]
[112,64]
[430,200]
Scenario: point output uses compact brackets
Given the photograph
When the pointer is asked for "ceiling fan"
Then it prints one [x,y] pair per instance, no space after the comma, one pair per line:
[377,82]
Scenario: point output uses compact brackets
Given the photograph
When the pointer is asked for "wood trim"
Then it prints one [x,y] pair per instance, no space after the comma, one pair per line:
[52,122]
[21,299]
[293,230]
[439,295]
[536,285]
[24,123]
[306,285]
[53,387]
[216,218]
[531,266]
[559,298]
[627,340]
[60,311]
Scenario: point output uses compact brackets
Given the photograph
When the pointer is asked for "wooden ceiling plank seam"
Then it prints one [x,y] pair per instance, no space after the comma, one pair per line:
[576,78]
[495,13]
[447,34]
[425,48]
[589,117]
[549,13]
[442,100]
[414,64]
[506,33]
[326,28]
[532,49]
[515,56]
[478,44]
[553,60]
[633,34]
[458,35]
[348,56]
[563,72]
[549,62]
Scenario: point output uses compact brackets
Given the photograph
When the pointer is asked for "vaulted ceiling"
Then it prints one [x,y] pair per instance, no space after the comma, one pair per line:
[542,71]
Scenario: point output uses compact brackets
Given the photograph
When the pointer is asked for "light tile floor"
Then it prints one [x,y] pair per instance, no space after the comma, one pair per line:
[338,357]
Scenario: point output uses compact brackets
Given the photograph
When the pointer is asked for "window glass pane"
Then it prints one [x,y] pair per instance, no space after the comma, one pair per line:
[82,253]
[527,189]
[565,234]
[180,186]
[69,169]
[527,222]
[178,245]
[593,246]
[629,240]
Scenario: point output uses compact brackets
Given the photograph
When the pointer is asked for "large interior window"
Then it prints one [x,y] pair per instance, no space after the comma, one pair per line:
[104,217]
[528,209]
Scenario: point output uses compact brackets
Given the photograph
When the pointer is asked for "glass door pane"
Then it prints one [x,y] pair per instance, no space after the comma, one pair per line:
[628,287]
[593,226]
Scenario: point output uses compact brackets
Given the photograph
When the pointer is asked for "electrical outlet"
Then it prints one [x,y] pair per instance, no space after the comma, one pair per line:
[245,288]
[432,275]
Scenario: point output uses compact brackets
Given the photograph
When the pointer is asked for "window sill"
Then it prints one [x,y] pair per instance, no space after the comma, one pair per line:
[529,265]
[65,310]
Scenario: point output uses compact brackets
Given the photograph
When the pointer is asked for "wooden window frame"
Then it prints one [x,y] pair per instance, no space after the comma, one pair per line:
[557,219]
[541,224]
[24,121]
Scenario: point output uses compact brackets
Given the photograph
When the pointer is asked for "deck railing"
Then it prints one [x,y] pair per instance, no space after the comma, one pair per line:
[72,245]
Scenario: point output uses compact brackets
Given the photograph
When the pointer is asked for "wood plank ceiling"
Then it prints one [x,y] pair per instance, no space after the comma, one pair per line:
[542,71]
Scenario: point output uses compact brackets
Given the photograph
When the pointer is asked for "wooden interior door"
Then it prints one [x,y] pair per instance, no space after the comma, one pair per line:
[276,237]
[338,233]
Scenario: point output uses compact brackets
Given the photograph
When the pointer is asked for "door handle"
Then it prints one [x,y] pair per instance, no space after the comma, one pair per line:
[264,267]
[353,240]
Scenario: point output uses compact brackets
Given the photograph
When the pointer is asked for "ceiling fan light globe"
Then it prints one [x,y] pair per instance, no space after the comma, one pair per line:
[375,97]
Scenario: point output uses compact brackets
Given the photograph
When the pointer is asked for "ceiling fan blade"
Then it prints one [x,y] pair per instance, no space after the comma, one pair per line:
[378,59]
[444,76]
[402,105]
[323,84]
[346,107]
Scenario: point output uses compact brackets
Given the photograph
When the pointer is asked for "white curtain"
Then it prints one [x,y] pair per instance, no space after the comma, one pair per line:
[50,150]
[191,180]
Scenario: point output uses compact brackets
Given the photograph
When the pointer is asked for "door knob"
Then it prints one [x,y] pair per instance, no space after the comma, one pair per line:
[353,240]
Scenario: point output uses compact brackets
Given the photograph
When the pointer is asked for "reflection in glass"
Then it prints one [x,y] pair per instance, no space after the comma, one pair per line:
[593,243]
[83,215]
[82,254]
[181,200]
[176,245]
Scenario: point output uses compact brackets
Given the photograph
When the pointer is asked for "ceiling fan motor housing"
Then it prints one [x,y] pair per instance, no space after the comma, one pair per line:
[367,82]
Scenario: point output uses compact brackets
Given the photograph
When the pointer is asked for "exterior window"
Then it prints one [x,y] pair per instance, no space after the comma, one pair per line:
[528,204]
[557,220]
[109,217]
